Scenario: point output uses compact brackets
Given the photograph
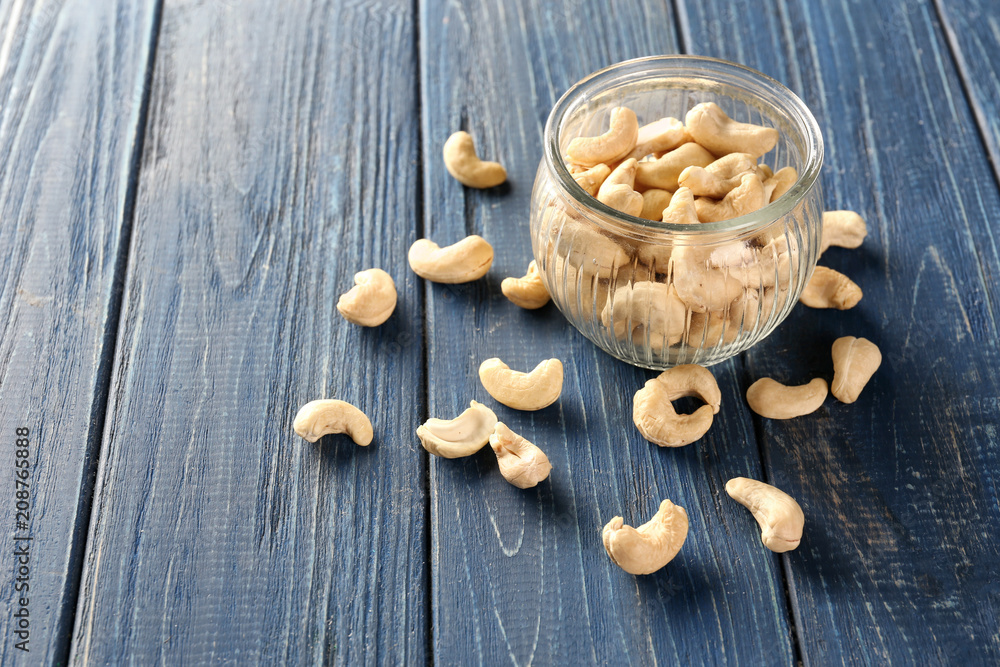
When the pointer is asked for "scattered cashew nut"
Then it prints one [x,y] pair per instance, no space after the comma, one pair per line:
[617,190]
[610,146]
[523,391]
[461,161]
[461,262]
[372,299]
[709,125]
[521,463]
[830,289]
[322,417]
[652,545]
[464,435]
[780,517]
[844,229]
[528,292]
[855,360]
[773,400]
[654,414]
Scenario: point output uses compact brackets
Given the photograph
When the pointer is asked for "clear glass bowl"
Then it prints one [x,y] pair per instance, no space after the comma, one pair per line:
[617,278]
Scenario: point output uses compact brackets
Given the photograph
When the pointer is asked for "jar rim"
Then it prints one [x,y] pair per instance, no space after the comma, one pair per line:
[767,90]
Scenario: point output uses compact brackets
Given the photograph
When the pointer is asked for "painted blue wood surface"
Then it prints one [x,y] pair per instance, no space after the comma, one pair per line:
[898,563]
[72,78]
[521,576]
[973,30]
[281,158]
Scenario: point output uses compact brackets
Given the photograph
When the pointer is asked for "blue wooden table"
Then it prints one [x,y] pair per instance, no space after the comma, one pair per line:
[185,189]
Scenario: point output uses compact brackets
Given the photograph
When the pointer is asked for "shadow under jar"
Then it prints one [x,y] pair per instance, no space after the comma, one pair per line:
[657,294]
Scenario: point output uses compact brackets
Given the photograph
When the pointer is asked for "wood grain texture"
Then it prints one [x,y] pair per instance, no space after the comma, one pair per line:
[72,76]
[281,158]
[521,576]
[973,31]
[898,564]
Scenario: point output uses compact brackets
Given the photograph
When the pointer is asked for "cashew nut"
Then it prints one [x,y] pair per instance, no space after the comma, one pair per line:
[780,517]
[591,179]
[855,360]
[654,201]
[372,299]
[773,400]
[585,248]
[461,262]
[610,146]
[464,435]
[528,292]
[764,172]
[844,229]
[318,418]
[659,136]
[652,545]
[523,391]
[830,289]
[719,178]
[780,183]
[617,190]
[521,463]
[461,161]
[654,414]
[699,284]
[653,305]
[663,172]
[681,209]
[721,328]
[709,125]
[745,198]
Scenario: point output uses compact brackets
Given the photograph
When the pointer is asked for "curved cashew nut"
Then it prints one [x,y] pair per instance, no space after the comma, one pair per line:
[664,171]
[651,304]
[652,545]
[586,249]
[681,209]
[617,190]
[654,414]
[723,327]
[780,183]
[461,161]
[591,179]
[844,229]
[523,391]
[745,198]
[662,135]
[719,178]
[464,435]
[325,416]
[372,299]
[461,262]
[521,463]
[528,292]
[610,146]
[855,360]
[654,201]
[830,289]
[699,284]
[709,125]
[780,517]
[773,400]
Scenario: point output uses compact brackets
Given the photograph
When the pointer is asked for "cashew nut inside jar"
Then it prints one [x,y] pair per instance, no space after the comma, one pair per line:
[732,156]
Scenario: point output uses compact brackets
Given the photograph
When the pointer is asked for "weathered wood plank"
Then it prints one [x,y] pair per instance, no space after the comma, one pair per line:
[899,560]
[281,158]
[72,77]
[521,576]
[973,31]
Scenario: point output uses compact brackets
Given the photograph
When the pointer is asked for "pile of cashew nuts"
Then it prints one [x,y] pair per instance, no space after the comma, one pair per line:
[701,170]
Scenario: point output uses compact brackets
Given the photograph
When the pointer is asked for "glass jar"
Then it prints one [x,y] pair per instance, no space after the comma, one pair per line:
[657,294]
